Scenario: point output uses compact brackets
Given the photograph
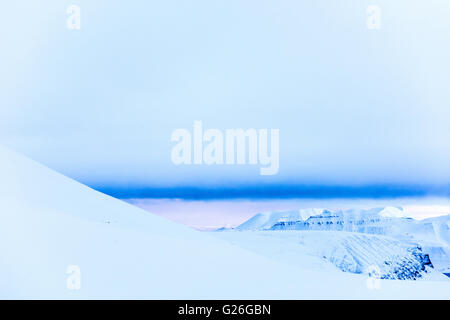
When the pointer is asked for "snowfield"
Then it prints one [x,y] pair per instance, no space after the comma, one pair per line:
[50,222]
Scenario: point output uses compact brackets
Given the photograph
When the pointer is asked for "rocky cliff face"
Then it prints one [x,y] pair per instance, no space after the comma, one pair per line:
[383,257]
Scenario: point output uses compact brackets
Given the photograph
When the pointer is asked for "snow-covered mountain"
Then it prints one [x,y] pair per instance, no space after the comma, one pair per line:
[395,242]
[364,253]
[391,221]
[51,225]
[373,221]
[267,220]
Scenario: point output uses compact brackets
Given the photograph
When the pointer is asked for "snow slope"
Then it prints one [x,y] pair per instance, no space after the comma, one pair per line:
[48,222]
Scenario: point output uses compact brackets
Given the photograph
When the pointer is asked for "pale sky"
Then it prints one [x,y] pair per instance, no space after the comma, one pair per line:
[353,105]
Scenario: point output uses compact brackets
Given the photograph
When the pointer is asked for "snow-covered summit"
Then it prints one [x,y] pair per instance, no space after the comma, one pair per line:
[266,220]
[393,212]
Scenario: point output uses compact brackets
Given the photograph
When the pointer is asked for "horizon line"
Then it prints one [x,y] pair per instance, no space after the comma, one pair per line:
[274,192]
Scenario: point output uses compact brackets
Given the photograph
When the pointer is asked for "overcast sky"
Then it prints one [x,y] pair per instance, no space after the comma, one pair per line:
[353,105]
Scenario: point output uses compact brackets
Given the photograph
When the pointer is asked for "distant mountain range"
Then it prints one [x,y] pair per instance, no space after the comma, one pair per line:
[401,238]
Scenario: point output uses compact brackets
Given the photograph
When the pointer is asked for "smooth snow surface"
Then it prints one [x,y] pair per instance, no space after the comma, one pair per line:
[49,222]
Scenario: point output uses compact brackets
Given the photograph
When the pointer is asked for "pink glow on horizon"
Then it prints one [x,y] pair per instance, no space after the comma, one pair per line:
[213,214]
